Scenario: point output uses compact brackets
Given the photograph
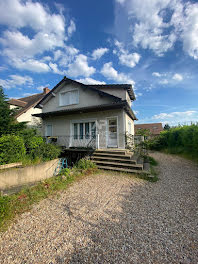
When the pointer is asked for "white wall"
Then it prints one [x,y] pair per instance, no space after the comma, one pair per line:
[61,125]
[127,120]
[27,117]
[86,98]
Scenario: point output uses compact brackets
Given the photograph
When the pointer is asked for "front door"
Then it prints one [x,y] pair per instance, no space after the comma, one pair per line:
[112,133]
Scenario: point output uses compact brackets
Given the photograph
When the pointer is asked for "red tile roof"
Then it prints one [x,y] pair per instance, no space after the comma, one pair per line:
[155,128]
[27,102]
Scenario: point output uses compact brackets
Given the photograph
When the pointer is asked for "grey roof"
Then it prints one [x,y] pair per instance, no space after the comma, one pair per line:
[127,87]
[95,88]
[116,105]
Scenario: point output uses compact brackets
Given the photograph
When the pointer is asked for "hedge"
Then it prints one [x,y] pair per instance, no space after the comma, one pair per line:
[182,140]
[12,149]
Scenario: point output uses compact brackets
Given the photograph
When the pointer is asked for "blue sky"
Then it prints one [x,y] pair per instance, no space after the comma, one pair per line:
[152,44]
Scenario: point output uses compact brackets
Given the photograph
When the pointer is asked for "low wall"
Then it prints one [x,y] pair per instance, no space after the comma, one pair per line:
[20,176]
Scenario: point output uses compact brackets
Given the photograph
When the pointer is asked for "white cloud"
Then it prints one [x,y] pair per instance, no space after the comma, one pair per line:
[66,55]
[177,117]
[47,33]
[158,25]
[80,67]
[157,74]
[168,77]
[90,81]
[130,60]
[177,77]
[120,1]
[55,69]
[30,65]
[17,14]
[98,53]
[174,114]
[185,20]
[110,73]
[125,57]
[164,81]
[71,29]
[16,80]
[47,58]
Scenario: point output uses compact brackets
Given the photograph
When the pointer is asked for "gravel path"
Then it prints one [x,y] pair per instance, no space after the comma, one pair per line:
[113,218]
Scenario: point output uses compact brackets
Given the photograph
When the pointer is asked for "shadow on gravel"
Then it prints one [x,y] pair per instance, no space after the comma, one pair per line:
[139,230]
[111,239]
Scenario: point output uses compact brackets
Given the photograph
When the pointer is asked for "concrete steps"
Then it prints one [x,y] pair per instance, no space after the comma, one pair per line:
[119,160]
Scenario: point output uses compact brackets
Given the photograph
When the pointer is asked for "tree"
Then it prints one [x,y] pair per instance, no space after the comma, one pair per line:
[143,132]
[166,127]
[8,124]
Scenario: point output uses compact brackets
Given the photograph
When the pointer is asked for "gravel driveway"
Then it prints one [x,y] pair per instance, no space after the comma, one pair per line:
[113,218]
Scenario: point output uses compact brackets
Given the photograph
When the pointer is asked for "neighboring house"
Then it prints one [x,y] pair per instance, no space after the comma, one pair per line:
[154,128]
[78,115]
[25,108]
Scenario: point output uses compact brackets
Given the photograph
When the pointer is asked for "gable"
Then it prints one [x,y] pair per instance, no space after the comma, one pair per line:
[67,92]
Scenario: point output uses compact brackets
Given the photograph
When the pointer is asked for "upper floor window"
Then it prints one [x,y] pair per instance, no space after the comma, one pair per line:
[69,98]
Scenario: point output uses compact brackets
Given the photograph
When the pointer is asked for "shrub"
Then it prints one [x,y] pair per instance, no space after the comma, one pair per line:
[12,149]
[65,172]
[177,140]
[33,145]
[47,151]
[85,164]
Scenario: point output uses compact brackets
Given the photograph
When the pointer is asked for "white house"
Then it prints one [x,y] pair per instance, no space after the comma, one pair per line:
[25,108]
[79,115]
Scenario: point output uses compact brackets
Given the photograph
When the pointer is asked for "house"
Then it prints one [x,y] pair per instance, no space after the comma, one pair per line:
[154,128]
[25,108]
[76,115]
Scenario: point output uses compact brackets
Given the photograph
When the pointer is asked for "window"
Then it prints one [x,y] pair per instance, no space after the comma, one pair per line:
[69,98]
[93,129]
[129,127]
[48,130]
[84,130]
[75,131]
[81,130]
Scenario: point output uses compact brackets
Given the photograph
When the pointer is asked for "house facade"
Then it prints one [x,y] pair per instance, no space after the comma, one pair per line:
[97,116]
[25,108]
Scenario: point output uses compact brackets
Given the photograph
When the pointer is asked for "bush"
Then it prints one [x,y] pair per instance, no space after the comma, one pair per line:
[12,149]
[47,151]
[85,164]
[177,140]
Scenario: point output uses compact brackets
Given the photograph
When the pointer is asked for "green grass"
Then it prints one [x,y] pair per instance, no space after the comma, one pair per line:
[181,153]
[152,161]
[16,204]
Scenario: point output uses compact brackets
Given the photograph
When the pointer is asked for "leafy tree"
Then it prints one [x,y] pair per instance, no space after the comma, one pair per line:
[143,132]
[166,127]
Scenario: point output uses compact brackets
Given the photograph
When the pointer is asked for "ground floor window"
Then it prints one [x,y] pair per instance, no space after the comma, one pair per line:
[48,130]
[84,130]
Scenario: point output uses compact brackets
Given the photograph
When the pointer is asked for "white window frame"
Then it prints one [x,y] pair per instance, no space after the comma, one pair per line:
[129,127]
[61,93]
[46,130]
[107,132]
[78,121]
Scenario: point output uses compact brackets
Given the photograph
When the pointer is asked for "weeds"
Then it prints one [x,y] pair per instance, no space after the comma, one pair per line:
[16,204]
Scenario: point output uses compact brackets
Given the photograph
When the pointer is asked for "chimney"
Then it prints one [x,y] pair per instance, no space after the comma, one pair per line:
[46,90]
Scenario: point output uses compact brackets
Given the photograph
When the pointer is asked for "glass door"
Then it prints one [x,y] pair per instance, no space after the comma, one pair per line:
[112,133]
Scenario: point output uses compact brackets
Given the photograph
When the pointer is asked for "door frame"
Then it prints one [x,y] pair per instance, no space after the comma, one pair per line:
[107,131]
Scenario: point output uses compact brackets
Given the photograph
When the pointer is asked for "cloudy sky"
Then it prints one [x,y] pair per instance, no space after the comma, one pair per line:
[152,44]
